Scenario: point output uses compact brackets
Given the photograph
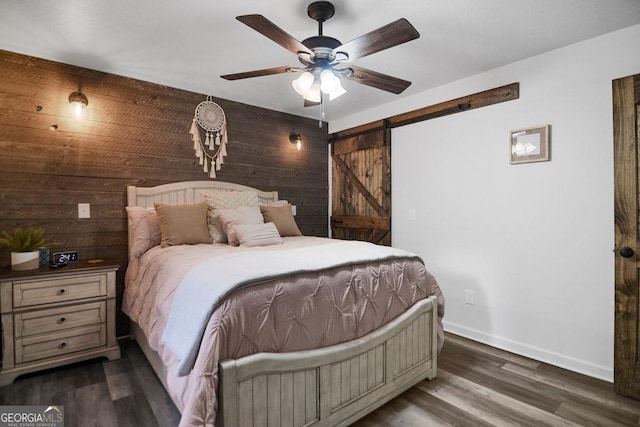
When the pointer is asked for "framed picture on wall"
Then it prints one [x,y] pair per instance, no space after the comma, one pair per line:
[529,145]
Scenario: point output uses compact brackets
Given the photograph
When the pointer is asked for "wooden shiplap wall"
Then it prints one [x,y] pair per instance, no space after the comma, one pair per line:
[133,133]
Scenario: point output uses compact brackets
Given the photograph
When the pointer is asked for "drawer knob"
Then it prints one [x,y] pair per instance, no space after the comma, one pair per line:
[62,319]
[63,344]
[62,291]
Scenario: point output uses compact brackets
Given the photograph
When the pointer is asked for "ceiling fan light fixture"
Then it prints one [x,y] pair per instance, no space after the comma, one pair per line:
[303,84]
[338,92]
[319,54]
[329,82]
[313,94]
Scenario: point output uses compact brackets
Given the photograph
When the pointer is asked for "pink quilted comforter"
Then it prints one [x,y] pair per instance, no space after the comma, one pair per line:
[299,312]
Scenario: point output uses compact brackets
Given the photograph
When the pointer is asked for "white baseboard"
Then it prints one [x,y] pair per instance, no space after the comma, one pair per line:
[587,368]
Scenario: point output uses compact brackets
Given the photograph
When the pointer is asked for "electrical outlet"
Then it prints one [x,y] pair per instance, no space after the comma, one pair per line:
[468,296]
[65,257]
[412,215]
[294,210]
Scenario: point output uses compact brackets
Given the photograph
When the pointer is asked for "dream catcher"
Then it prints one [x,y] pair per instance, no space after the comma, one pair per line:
[210,117]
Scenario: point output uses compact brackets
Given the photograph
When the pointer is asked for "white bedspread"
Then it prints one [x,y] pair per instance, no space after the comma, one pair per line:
[204,286]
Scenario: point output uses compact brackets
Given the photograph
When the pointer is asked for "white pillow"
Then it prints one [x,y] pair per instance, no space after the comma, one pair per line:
[225,200]
[258,234]
[231,218]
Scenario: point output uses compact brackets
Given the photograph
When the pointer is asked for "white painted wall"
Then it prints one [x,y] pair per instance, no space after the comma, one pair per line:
[533,241]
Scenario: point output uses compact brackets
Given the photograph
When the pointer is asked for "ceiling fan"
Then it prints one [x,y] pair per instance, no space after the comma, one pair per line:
[321,55]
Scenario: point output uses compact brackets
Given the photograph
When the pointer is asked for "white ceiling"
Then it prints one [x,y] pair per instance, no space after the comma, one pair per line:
[188,44]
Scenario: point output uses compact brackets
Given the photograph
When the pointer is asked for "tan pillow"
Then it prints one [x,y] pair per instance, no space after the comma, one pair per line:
[276,203]
[258,234]
[144,228]
[230,218]
[282,218]
[225,200]
[183,224]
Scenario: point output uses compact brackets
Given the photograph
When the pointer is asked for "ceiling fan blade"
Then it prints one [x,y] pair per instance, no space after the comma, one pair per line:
[393,34]
[273,32]
[378,80]
[257,73]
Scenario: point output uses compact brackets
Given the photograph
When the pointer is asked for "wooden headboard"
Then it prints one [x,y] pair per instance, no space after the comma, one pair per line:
[186,192]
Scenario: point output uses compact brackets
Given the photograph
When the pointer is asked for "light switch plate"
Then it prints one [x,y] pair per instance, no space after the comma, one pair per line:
[84,210]
[65,257]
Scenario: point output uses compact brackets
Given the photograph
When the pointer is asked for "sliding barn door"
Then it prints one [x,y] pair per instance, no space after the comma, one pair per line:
[626,121]
[361,187]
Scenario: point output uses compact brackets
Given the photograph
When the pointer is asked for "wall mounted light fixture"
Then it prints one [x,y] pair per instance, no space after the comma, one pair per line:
[296,138]
[78,102]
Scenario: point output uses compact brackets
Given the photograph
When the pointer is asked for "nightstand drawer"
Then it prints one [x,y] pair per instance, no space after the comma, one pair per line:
[46,291]
[56,344]
[57,319]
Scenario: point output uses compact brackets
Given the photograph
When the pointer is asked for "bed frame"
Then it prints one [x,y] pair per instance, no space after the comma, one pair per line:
[330,386]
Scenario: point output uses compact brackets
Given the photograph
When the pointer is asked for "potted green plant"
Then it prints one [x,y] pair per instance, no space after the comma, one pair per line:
[24,245]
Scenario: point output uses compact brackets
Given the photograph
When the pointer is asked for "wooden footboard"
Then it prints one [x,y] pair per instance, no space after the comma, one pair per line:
[335,385]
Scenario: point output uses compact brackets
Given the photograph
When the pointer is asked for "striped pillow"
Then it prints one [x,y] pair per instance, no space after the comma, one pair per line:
[257,234]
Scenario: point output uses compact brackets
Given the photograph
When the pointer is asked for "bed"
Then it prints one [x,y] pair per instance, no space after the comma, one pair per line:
[283,349]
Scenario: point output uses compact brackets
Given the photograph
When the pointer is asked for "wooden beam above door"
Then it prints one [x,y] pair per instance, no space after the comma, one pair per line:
[481,99]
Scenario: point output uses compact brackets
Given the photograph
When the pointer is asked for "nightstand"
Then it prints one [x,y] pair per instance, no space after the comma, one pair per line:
[52,317]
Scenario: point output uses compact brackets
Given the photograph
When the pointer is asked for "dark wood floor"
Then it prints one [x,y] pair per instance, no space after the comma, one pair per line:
[477,385]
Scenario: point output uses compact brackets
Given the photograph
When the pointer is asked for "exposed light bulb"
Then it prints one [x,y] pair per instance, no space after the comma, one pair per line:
[78,108]
[78,101]
[296,138]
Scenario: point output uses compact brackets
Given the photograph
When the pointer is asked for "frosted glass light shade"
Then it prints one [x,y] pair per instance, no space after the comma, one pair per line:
[313,94]
[329,82]
[336,93]
[303,83]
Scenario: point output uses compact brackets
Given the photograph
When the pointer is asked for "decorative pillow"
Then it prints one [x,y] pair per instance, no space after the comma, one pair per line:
[144,228]
[183,224]
[258,234]
[276,203]
[230,218]
[283,219]
[226,200]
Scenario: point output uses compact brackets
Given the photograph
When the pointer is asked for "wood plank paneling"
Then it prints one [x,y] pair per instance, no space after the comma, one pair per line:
[134,133]
[626,135]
